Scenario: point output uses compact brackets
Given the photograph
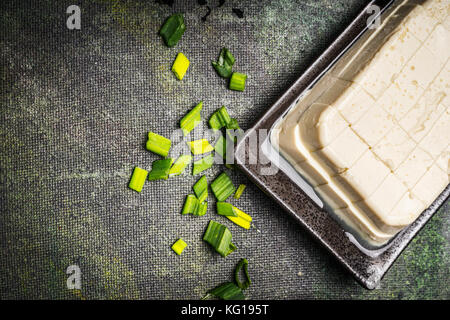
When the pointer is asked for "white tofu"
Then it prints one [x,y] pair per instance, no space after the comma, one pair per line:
[361,180]
[405,211]
[394,147]
[374,125]
[439,9]
[382,201]
[414,167]
[438,137]
[420,22]
[443,161]
[342,153]
[330,197]
[313,177]
[439,43]
[319,125]
[439,89]
[431,185]
[353,103]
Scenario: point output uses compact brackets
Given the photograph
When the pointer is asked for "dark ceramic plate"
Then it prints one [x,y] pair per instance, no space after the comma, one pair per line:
[368,270]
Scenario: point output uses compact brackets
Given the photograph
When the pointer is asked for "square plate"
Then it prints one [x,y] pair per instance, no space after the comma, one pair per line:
[368,270]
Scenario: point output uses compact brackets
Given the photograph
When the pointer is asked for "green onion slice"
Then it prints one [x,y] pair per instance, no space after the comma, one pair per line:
[224,64]
[243,263]
[225,209]
[239,191]
[222,187]
[179,165]
[219,237]
[201,189]
[138,179]
[193,206]
[219,119]
[203,164]
[200,146]
[237,81]
[158,144]
[227,291]
[191,119]
[172,29]
[233,124]
[160,169]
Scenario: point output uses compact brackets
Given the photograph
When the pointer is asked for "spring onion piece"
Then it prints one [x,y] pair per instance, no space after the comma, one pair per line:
[190,205]
[180,66]
[219,237]
[233,124]
[172,29]
[203,164]
[220,147]
[242,220]
[225,209]
[191,119]
[179,165]
[239,191]
[201,189]
[179,246]
[193,206]
[158,144]
[237,81]
[222,187]
[224,64]
[138,179]
[219,119]
[242,263]
[160,169]
[227,291]
[200,146]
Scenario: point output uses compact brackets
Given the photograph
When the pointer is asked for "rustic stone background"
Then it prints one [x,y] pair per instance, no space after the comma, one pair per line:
[75,109]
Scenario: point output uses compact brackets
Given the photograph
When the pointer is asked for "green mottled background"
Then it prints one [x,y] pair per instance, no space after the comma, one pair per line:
[75,109]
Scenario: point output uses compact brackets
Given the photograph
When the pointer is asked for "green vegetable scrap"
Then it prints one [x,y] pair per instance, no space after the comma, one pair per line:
[227,291]
[180,66]
[179,165]
[138,179]
[243,263]
[219,119]
[194,207]
[239,191]
[191,119]
[237,81]
[224,64]
[172,29]
[222,187]
[158,144]
[201,189]
[203,164]
[225,209]
[160,169]
[179,246]
[219,237]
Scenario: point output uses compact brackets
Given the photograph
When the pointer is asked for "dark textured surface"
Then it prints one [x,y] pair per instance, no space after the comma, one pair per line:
[75,109]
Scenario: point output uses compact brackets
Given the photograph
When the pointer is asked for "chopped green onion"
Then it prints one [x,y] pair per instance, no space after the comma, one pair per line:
[225,209]
[179,165]
[179,246]
[201,189]
[203,164]
[138,179]
[233,124]
[225,63]
[222,187]
[200,146]
[241,219]
[160,169]
[227,291]
[180,66]
[158,144]
[246,284]
[190,205]
[237,81]
[221,147]
[219,119]
[239,191]
[219,237]
[191,119]
[172,29]
[193,206]
[230,166]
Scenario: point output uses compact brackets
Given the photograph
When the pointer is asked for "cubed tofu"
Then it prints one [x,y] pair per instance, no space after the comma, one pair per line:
[414,167]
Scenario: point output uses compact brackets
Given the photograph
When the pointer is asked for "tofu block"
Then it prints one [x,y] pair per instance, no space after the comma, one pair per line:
[438,137]
[431,184]
[439,43]
[353,103]
[420,22]
[439,9]
[414,167]
[394,147]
